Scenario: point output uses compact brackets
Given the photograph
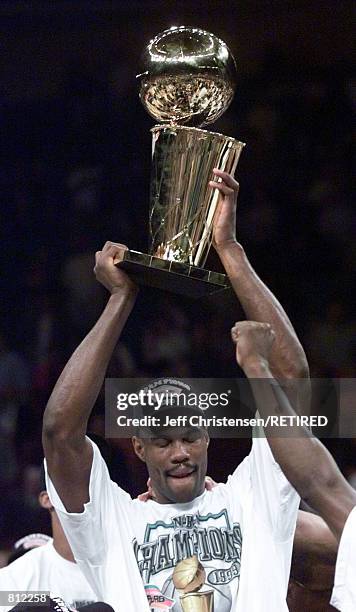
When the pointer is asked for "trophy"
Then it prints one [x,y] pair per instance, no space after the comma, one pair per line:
[188,578]
[188,82]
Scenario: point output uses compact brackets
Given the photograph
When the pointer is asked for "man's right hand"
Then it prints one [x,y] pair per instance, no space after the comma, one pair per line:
[109,274]
[224,227]
[253,343]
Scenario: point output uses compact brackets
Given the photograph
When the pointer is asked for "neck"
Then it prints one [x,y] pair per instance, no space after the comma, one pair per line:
[162,499]
[60,542]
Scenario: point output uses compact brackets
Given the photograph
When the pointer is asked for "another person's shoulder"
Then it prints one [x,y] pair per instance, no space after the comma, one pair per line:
[34,555]
[20,571]
[344,593]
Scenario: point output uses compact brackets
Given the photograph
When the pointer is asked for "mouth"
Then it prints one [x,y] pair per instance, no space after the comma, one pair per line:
[181,473]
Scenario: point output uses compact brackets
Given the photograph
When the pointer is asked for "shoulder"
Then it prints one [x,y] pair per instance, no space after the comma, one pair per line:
[19,572]
[35,555]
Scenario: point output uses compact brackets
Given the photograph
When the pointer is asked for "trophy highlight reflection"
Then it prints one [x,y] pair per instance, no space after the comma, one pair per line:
[189,81]
[188,578]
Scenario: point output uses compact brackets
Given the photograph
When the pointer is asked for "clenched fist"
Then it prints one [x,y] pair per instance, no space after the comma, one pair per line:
[253,343]
[108,274]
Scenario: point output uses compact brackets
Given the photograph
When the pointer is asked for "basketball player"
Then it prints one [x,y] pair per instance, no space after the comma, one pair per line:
[48,567]
[241,531]
[305,461]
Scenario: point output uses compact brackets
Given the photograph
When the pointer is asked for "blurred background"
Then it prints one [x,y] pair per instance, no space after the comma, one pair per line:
[75,149]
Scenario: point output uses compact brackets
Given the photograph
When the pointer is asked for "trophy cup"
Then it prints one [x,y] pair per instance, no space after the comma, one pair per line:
[189,81]
[188,578]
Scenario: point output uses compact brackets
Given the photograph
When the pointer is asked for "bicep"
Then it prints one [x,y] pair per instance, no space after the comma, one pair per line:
[85,515]
[69,465]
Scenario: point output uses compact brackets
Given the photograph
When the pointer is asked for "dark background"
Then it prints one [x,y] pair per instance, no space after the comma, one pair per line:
[75,151]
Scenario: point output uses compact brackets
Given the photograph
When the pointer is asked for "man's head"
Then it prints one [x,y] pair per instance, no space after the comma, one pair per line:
[176,460]
[175,454]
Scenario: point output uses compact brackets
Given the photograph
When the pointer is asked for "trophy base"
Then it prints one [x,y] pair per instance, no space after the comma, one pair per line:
[198,602]
[172,276]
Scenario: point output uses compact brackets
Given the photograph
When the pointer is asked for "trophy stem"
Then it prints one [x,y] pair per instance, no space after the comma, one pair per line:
[198,602]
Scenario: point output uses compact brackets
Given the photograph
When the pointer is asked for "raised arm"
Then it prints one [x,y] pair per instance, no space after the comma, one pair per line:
[258,302]
[307,464]
[67,452]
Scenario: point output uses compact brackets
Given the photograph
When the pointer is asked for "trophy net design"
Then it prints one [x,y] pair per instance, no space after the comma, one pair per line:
[182,203]
[188,82]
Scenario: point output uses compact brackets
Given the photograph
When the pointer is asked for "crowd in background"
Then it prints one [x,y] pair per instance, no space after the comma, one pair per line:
[75,173]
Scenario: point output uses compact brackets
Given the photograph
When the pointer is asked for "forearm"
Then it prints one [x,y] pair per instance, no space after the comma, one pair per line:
[287,358]
[77,389]
[306,462]
[274,406]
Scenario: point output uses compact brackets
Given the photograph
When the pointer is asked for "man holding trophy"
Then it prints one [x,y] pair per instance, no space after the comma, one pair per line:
[190,550]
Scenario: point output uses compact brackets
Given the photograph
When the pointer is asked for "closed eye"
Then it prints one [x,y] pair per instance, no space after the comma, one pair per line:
[160,442]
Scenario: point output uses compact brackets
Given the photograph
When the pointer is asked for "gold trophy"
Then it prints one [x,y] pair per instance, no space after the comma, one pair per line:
[188,578]
[188,81]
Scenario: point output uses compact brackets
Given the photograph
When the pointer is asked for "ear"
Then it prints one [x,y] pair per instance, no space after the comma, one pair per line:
[139,448]
[207,439]
[44,500]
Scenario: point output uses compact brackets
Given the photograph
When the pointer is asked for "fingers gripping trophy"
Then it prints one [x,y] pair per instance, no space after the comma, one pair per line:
[188,82]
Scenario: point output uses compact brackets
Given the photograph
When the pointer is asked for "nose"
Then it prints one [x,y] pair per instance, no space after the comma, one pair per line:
[180,451]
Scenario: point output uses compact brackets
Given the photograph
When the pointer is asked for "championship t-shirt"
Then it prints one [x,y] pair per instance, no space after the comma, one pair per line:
[241,532]
[344,593]
[43,569]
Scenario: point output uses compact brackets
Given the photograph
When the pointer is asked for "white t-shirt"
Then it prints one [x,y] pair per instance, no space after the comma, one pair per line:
[241,531]
[43,569]
[344,593]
